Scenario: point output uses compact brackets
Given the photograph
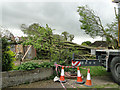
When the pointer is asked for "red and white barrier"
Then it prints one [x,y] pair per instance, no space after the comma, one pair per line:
[76,63]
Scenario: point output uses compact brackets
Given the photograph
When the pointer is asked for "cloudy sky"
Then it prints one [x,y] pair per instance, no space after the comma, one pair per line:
[60,15]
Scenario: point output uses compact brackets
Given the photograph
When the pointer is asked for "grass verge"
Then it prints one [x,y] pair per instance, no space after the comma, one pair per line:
[95,71]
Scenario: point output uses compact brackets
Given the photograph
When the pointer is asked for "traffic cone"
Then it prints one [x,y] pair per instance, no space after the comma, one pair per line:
[88,81]
[79,78]
[62,78]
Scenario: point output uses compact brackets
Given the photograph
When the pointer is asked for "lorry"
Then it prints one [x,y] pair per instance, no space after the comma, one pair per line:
[109,58]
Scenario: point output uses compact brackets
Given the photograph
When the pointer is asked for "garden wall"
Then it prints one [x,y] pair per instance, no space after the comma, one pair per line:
[12,78]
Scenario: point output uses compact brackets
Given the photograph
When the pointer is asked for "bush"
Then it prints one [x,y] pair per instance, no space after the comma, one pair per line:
[7,56]
[32,65]
[47,64]
[28,66]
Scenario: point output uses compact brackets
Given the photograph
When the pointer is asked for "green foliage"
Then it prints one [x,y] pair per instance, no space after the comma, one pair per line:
[64,57]
[65,34]
[28,66]
[86,43]
[61,56]
[42,54]
[92,26]
[47,64]
[40,37]
[90,22]
[71,36]
[7,56]
[32,65]
[48,45]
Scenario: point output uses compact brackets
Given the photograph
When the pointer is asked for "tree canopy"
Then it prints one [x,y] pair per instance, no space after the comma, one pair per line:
[92,25]
[38,36]
[65,34]
[86,43]
[71,36]
[43,39]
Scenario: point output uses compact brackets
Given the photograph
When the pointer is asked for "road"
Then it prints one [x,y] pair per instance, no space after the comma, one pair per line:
[98,82]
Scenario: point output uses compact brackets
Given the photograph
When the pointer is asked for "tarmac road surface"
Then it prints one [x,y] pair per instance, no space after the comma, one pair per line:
[98,82]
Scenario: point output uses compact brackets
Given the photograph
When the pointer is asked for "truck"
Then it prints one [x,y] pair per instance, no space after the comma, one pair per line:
[108,58]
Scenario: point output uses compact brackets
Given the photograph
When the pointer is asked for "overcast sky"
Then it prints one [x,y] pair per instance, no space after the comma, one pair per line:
[59,15]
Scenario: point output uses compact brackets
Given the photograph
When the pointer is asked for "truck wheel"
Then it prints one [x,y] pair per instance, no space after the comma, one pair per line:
[115,69]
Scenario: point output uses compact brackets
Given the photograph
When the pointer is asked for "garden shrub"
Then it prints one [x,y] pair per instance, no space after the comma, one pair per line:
[47,64]
[28,66]
[8,56]
[32,65]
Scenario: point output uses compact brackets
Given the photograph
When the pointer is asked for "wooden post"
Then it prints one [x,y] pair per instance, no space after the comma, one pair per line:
[26,52]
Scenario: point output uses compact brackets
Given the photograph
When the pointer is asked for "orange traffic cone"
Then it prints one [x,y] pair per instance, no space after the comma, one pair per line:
[62,78]
[88,81]
[79,78]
